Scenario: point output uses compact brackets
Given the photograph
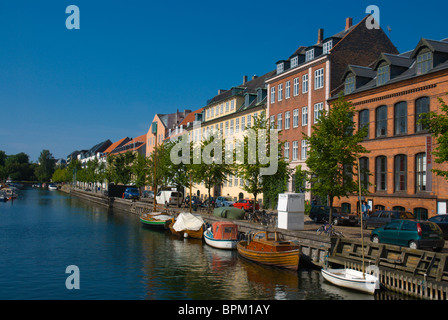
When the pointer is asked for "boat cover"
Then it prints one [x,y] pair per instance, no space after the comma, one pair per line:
[187,221]
[162,217]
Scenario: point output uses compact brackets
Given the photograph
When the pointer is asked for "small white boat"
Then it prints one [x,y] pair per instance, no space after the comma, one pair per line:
[352,279]
[52,187]
[222,235]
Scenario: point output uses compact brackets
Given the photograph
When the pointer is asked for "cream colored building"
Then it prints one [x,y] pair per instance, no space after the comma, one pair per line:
[231,112]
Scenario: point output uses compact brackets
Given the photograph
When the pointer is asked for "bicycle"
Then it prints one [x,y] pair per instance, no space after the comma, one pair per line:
[329,230]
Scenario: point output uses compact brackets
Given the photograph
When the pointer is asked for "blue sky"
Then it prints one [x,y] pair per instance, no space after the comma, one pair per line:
[65,90]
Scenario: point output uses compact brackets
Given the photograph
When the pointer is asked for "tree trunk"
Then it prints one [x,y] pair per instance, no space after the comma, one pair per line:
[331,208]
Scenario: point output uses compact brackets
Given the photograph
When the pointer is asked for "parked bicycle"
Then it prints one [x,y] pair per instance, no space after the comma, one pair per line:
[329,230]
[266,219]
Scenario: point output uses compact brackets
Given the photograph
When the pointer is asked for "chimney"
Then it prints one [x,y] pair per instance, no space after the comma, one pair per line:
[254,77]
[320,36]
[348,23]
[244,79]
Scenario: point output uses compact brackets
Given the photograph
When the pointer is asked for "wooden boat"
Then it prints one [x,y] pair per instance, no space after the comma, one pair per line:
[10,193]
[155,220]
[222,235]
[187,225]
[269,248]
[352,279]
[229,213]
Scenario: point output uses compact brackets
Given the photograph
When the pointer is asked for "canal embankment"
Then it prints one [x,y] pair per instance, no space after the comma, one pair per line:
[418,273]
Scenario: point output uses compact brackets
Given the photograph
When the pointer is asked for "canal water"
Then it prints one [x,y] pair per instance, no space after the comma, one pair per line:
[44,232]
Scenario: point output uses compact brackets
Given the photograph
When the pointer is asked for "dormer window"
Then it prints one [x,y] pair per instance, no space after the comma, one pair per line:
[327,46]
[424,62]
[294,62]
[309,55]
[280,68]
[349,84]
[383,75]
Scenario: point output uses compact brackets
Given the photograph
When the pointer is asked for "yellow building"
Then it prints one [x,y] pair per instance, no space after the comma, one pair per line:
[231,112]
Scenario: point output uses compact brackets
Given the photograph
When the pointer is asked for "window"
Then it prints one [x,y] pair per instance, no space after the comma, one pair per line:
[381,173]
[287,150]
[222,108]
[304,150]
[227,129]
[383,75]
[272,94]
[364,171]
[227,106]
[287,89]
[318,108]
[327,46]
[237,125]
[421,213]
[232,104]
[398,208]
[304,116]
[400,172]
[424,62]
[381,121]
[421,107]
[272,122]
[420,172]
[279,121]
[295,118]
[401,118]
[349,84]
[309,55]
[305,83]
[249,119]
[295,150]
[364,120]
[294,62]
[242,123]
[231,127]
[280,92]
[318,79]
[280,68]
[287,119]
[296,87]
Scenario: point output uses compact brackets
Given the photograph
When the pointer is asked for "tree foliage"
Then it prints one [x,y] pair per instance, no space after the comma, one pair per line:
[334,148]
[437,124]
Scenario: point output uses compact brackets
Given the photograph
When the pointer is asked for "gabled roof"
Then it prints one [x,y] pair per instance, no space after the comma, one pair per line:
[360,71]
[190,117]
[394,60]
[433,45]
[116,144]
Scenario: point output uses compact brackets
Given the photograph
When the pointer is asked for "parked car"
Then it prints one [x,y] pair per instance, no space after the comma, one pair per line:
[246,204]
[211,200]
[322,213]
[442,221]
[148,194]
[382,217]
[224,202]
[195,201]
[168,197]
[131,193]
[410,233]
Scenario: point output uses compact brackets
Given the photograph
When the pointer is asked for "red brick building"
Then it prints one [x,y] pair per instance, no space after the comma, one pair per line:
[389,99]
[303,83]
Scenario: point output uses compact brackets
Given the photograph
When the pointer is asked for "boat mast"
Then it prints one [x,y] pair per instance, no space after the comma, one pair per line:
[360,210]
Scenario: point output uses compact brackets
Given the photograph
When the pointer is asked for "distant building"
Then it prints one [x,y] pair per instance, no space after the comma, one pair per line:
[96,152]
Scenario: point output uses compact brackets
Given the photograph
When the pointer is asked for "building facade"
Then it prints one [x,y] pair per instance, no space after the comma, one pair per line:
[390,98]
[299,90]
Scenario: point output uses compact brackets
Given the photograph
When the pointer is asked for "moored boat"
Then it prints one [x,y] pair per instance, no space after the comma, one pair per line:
[269,248]
[222,235]
[10,192]
[352,279]
[52,187]
[229,213]
[187,225]
[155,220]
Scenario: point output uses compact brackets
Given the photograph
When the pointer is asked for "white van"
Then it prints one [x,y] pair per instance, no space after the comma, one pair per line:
[168,197]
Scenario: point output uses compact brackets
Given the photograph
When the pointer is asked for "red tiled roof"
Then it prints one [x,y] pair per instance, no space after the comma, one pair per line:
[115,145]
[190,117]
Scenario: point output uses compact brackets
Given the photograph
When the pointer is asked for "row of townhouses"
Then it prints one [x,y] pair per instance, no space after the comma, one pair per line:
[390,91]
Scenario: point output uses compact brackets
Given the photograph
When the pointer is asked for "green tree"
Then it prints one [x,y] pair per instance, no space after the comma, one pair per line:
[437,124]
[46,166]
[141,171]
[255,169]
[334,148]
